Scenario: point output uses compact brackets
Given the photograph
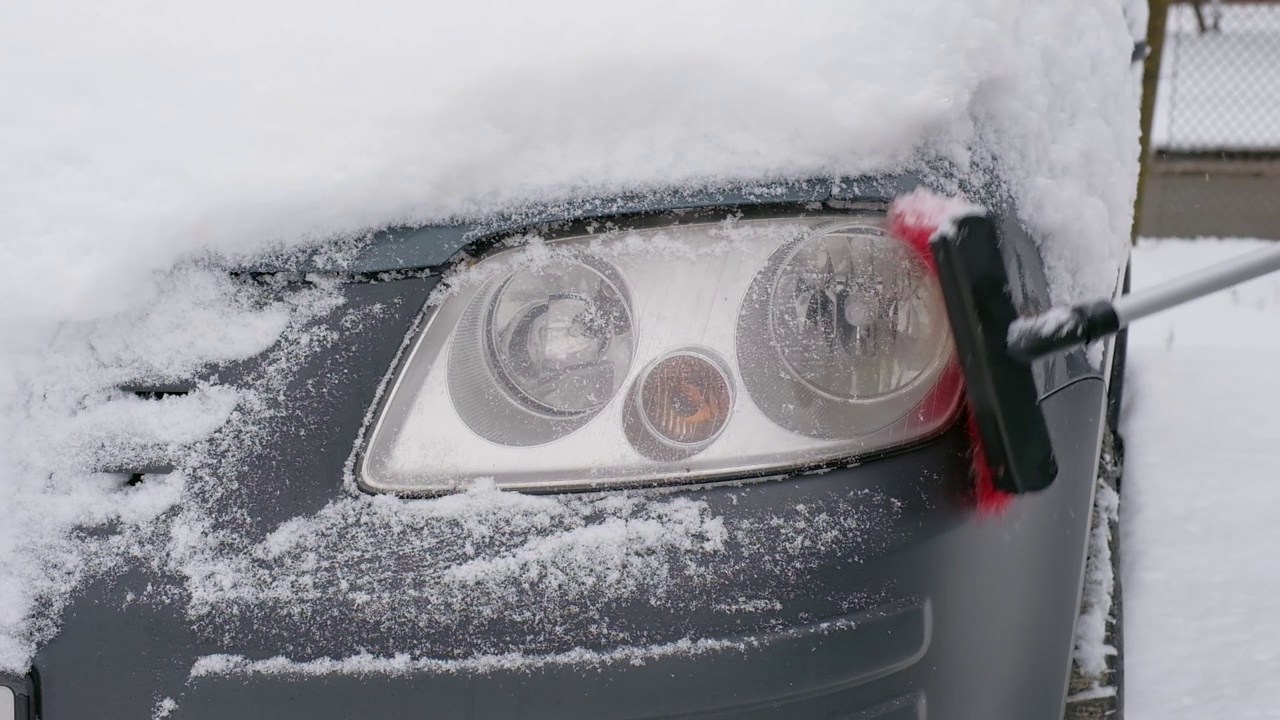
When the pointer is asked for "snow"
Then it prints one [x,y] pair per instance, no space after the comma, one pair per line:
[405,664]
[164,708]
[1198,521]
[511,545]
[923,212]
[545,570]
[63,421]
[1091,648]
[1055,322]
[148,147]
[365,664]
[134,136]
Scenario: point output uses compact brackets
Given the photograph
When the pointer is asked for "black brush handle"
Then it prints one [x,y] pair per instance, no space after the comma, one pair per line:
[1002,391]
[1061,328]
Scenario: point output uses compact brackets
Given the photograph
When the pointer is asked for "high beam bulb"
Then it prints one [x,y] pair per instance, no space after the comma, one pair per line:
[849,317]
[841,333]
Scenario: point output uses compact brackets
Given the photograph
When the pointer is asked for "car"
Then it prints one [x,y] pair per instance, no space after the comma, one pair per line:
[603,378]
[832,558]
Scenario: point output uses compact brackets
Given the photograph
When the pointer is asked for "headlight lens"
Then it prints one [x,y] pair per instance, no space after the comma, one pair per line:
[561,338]
[671,354]
[538,352]
[841,333]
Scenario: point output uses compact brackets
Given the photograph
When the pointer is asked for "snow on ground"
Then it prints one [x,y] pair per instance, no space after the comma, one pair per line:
[146,146]
[1201,495]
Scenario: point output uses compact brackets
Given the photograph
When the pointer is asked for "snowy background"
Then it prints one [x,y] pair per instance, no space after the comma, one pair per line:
[1200,537]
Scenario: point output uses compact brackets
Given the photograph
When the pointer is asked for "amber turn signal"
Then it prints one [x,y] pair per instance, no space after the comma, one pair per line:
[684,400]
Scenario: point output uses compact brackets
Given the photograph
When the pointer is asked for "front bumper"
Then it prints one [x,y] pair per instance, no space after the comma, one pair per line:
[867,592]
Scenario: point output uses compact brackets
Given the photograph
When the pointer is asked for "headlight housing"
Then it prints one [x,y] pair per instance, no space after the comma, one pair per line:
[537,354]
[671,354]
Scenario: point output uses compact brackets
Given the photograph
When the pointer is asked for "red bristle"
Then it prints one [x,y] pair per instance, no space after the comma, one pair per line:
[989,499]
[915,217]
[915,228]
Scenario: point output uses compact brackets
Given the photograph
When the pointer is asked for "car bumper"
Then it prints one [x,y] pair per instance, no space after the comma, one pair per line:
[912,600]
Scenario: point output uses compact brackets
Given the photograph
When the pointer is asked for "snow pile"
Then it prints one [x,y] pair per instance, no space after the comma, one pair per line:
[1091,648]
[145,145]
[134,136]
[1198,522]
[164,708]
[65,421]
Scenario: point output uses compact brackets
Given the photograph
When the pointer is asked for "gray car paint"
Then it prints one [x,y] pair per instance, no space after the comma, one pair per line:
[966,615]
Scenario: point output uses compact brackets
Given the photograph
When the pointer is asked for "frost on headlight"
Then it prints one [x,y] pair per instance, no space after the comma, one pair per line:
[538,352]
[671,354]
[842,333]
[561,337]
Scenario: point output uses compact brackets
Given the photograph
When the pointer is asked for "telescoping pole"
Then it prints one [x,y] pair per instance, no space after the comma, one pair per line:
[1196,285]
[1061,328]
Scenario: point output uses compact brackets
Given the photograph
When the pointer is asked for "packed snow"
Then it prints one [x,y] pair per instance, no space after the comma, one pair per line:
[1091,647]
[1055,322]
[149,148]
[1198,520]
[164,708]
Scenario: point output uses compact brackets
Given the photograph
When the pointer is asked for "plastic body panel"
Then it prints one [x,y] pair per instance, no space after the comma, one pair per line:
[937,607]
[991,613]
[18,697]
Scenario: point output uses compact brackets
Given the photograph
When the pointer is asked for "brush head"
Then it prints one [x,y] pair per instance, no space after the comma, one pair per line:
[1002,392]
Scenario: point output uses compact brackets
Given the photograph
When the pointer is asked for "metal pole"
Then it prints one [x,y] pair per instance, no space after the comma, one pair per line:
[1159,10]
[1198,284]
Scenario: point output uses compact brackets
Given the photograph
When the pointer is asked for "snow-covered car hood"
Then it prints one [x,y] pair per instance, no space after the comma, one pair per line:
[149,148]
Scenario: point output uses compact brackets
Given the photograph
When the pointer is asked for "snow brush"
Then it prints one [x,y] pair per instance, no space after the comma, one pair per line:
[995,346]
[919,218]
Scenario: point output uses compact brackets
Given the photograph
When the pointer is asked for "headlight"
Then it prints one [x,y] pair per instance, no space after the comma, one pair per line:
[841,333]
[672,354]
[538,353]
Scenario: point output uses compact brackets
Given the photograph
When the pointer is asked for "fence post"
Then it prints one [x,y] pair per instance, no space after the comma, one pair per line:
[1159,11]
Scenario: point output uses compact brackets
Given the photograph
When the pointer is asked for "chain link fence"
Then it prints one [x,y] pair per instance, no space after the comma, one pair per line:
[1215,136]
[1220,79]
